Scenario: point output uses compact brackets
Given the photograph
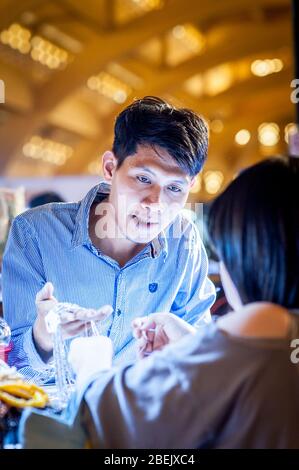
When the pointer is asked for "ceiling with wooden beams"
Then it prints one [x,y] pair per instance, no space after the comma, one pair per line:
[69,67]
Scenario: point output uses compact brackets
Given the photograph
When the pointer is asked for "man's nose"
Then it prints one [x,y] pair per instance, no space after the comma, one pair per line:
[153,197]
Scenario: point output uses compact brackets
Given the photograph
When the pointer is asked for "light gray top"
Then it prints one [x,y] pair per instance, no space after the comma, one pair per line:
[211,390]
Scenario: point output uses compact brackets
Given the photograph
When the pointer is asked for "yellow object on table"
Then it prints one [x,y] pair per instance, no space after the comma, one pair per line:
[15,391]
[22,394]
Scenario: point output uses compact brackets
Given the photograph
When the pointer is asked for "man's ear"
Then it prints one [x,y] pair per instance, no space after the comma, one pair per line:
[109,165]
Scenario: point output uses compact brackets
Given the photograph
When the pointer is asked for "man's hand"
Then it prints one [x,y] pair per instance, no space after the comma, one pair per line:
[44,302]
[157,330]
[90,355]
[70,326]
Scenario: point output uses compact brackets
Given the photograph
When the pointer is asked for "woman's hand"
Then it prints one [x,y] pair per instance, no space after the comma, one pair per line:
[155,331]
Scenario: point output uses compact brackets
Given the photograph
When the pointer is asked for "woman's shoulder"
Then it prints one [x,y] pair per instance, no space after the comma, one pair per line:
[257,320]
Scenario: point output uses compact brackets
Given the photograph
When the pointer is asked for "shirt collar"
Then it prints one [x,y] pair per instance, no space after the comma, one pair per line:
[159,245]
[81,236]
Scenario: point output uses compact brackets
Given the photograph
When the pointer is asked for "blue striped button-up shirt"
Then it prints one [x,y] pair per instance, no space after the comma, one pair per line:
[52,243]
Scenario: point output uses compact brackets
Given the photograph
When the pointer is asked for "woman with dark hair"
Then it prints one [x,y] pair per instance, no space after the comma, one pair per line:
[235,383]
[254,227]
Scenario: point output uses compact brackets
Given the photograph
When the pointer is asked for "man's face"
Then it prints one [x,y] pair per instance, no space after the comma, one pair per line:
[147,193]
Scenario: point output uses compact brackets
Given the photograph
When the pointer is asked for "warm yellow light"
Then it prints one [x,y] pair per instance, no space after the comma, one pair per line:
[196,185]
[48,54]
[179,31]
[4,37]
[36,140]
[120,96]
[53,62]
[216,126]
[24,48]
[277,65]
[15,42]
[182,42]
[290,129]
[94,167]
[15,29]
[148,5]
[109,86]
[190,36]
[93,83]
[218,79]
[29,150]
[194,85]
[213,181]
[17,37]
[268,134]
[266,125]
[242,137]
[261,68]
[47,150]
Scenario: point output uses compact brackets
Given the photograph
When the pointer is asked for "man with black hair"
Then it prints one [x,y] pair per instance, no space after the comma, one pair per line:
[125,244]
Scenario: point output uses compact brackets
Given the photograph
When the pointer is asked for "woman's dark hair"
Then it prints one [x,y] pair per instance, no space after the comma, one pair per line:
[152,121]
[254,227]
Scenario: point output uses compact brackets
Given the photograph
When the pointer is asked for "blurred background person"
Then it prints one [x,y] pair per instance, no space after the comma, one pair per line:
[44,198]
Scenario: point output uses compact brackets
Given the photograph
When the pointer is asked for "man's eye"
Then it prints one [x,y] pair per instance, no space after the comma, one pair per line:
[143,179]
[174,189]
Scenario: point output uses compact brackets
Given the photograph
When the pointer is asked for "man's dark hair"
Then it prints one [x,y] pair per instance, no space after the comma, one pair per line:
[254,227]
[152,121]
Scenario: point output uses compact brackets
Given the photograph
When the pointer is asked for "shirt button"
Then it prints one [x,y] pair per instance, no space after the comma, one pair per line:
[118,311]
